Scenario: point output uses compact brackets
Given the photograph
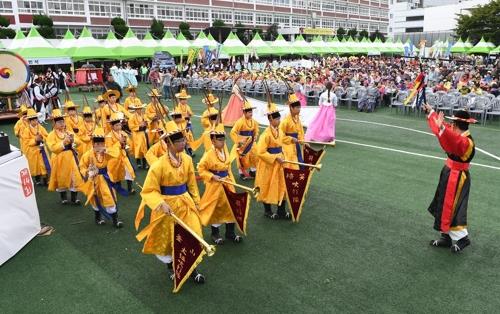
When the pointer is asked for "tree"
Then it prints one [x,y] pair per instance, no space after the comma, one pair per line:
[218,24]
[218,30]
[363,34]
[5,31]
[241,33]
[157,29]
[184,29]
[45,25]
[352,32]
[340,33]
[377,34]
[483,20]
[272,32]
[120,27]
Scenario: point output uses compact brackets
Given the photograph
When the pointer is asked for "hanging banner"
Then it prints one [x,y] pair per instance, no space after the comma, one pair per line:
[239,203]
[312,156]
[163,60]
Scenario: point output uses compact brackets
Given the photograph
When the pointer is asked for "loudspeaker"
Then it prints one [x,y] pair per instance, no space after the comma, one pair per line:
[4,144]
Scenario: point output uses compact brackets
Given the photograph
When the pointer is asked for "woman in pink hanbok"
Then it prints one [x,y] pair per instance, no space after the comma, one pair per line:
[234,108]
[322,126]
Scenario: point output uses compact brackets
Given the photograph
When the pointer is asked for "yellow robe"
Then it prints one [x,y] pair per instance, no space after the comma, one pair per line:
[155,152]
[20,125]
[140,147]
[131,101]
[162,173]
[100,117]
[205,121]
[270,176]
[151,112]
[85,136]
[289,126]
[243,125]
[214,206]
[185,110]
[98,184]
[75,124]
[32,149]
[117,166]
[64,173]
[153,134]
[108,110]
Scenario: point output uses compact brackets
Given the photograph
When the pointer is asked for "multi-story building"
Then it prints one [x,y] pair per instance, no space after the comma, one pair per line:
[367,15]
[428,20]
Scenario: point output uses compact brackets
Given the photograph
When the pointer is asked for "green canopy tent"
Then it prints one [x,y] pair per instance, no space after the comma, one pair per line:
[68,41]
[149,41]
[482,47]
[88,48]
[111,42]
[176,47]
[202,41]
[131,47]
[18,41]
[318,46]
[332,45]
[258,46]
[280,46]
[387,47]
[37,50]
[233,46]
[212,43]
[399,47]
[495,51]
[459,47]
[300,46]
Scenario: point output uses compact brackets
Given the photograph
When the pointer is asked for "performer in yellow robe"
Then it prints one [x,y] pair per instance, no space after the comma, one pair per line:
[112,106]
[132,98]
[244,135]
[20,125]
[270,176]
[156,151]
[182,125]
[155,110]
[184,108]
[170,186]
[138,125]
[100,117]
[214,166]
[293,133]
[74,122]
[98,187]
[120,168]
[211,115]
[64,174]
[85,134]
[210,101]
[33,137]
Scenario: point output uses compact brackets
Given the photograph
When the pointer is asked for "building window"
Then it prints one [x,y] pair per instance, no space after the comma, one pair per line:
[196,14]
[282,3]
[141,11]
[225,16]
[414,18]
[32,6]
[351,25]
[352,9]
[105,8]
[328,23]
[373,27]
[414,29]
[328,6]
[315,5]
[170,12]
[365,11]
[263,19]
[282,19]
[298,21]
[264,1]
[341,8]
[363,26]
[66,7]
[243,18]
[5,6]
[298,3]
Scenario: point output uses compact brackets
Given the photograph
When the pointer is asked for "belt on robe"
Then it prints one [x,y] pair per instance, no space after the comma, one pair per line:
[173,189]
[297,148]
[75,155]
[275,150]
[249,146]
[221,174]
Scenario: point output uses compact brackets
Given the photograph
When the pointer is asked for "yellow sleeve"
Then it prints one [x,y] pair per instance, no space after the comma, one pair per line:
[256,129]
[84,165]
[262,146]
[191,182]
[17,128]
[43,132]
[287,140]
[235,131]
[133,124]
[151,192]
[113,152]
[28,139]
[300,132]
[125,112]
[204,167]
[54,144]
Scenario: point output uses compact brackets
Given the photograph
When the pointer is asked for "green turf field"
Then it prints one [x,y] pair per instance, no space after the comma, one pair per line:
[361,244]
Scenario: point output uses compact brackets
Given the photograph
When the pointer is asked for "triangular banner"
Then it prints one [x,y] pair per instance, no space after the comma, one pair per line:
[312,156]
[187,254]
[297,184]
[239,203]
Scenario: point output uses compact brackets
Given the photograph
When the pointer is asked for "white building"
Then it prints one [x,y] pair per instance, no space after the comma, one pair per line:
[429,20]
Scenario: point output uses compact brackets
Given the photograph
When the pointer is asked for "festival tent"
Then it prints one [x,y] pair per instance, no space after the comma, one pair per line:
[258,46]
[37,50]
[176,47]
[88,48]
[459,47]
[233,46]
[468,44]
[212,42]
[131,47]
[318,46]
[300,46]
[149,41]
[280,46]
[409,48]
[495,51]
[375,47]
[18,41]
[388,47]
[201,41]
[399,47]
[353,47]
[482,47]
[344,47]
[332,45]
[111,42]
[68,41]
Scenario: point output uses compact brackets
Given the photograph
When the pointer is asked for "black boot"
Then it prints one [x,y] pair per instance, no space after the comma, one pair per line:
[252,173]
[145,163]
[216,236]
[443,241]
[117,223]
[44,181]
[98,218]
[74,198]
[282,213]
[170,271]
[460,245]
[129,187]
[37,180]
[268,212]
[64,197]
[231,235]
[197,277]
[138,163]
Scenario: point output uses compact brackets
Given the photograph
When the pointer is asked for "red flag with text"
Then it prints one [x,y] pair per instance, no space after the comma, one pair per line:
[239,203]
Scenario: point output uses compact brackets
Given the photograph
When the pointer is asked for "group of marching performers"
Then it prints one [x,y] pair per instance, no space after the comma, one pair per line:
[91,152]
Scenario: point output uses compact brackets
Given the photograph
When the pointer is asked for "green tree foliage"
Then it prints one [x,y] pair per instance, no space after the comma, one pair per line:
[184,29]
[353,32]
[241,33]
[218,24]
[483,21]
[45,25]
[4,22]
[157,29]
[5,31]
[340,33]
[272,32]
[363,34]
[377,34]
[120,27]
